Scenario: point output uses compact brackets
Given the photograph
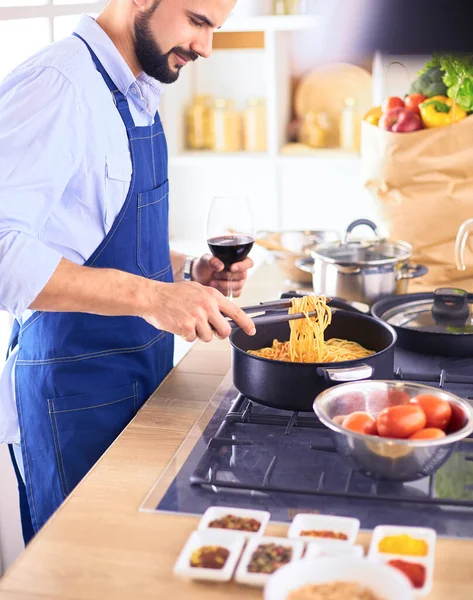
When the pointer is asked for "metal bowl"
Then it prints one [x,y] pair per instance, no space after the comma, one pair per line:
[286,247]
[388,458]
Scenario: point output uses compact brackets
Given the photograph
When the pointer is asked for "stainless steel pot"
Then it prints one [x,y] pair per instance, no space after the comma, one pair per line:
[388,458]
[363,270]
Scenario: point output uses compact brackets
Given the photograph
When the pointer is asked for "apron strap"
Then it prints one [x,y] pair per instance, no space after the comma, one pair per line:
[120,101]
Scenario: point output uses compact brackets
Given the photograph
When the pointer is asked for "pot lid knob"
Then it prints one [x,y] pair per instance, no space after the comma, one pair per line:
[450,306]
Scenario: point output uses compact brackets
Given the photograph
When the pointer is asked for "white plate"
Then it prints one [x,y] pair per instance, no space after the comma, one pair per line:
[305,521]
[420,533]
[218,537]
[217,512]
[243,576]
[315,550]
[380,579]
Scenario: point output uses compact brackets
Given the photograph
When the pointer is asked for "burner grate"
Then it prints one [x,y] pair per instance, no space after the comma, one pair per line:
[281,455]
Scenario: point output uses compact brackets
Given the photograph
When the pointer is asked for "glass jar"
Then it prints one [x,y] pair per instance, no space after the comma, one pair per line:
[198,124]
[311,133]
[254,126]
[227,133]
[350,127]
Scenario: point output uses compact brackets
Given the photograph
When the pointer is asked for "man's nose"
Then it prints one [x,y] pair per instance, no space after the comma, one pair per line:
[203,45]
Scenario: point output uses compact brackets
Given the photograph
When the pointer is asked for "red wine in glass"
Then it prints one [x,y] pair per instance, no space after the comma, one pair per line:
[230,248]
[230,233]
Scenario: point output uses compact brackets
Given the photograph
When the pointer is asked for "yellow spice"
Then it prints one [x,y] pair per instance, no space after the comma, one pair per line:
[403,544]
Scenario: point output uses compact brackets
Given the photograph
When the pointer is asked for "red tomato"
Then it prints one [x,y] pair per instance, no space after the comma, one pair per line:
[438,412]
[413,100]
[430,433]
[400,421]
[360,422]
[397,397]
[392,102]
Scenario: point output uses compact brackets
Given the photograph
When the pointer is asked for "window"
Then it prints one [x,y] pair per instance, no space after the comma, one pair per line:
[28,25]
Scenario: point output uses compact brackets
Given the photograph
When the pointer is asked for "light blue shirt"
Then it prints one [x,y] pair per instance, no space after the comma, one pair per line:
[65,169]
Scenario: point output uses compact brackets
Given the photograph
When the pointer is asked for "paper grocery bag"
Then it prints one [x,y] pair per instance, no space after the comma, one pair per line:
[423,185]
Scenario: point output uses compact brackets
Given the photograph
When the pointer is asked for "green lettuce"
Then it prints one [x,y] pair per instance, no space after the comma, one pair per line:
[457,76]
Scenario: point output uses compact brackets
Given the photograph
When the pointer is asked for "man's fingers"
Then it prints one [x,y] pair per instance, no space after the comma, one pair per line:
[236,314]
[216,264]
[204,332]
[223,276]
[220,325]
[242,266]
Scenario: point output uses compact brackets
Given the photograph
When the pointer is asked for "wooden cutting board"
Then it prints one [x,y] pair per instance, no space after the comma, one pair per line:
[326,88]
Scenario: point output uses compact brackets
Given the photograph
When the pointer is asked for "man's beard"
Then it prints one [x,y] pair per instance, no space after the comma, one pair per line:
[153,62]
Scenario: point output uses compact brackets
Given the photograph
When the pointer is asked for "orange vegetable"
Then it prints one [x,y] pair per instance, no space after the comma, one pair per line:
[373,115]
[438,412]
[360,422]
[429,433]
[400,421]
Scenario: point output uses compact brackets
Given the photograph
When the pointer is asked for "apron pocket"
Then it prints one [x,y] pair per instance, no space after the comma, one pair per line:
[153,232]
[84,427]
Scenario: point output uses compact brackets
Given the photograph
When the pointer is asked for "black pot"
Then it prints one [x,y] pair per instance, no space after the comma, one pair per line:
[437,322]
[294,386]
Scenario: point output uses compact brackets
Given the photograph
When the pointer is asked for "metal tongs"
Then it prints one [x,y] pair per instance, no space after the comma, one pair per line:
[277,306]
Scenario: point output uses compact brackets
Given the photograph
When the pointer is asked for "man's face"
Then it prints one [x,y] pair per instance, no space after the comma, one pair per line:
[170,33]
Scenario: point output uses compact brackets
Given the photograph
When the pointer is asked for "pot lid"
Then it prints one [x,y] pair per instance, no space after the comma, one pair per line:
[447,310]
[364,252]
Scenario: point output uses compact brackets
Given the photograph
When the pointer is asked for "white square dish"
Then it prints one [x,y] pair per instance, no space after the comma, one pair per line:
[429,536]
[306,522]
[218,512]
[234,544]
[314,550]
[242,574]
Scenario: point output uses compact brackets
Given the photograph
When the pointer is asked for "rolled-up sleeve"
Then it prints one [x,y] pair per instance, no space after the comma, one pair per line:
[41,147]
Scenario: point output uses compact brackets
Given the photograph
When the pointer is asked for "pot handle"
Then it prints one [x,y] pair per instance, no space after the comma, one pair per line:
[347,373]
[357,223]
[460,243]
[412,271]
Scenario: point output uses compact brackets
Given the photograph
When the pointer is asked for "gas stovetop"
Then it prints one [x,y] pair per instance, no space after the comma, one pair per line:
[284,462]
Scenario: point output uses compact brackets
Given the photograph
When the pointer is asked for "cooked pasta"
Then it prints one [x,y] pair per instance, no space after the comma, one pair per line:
[306,343]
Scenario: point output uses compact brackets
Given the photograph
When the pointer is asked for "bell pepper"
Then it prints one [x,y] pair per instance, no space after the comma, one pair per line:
[439,111]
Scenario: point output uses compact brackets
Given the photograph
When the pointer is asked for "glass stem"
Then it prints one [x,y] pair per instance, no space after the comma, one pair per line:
[230,289]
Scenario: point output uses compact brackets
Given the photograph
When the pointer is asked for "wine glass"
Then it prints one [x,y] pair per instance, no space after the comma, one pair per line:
[230,232]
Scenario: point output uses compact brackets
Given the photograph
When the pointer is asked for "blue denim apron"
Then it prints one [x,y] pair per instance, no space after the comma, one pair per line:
[81,378]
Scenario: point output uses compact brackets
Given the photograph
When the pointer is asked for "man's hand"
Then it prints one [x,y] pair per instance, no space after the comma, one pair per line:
[193,311]
[209,271]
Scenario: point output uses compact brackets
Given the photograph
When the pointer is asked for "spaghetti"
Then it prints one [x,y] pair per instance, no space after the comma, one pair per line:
[306,343]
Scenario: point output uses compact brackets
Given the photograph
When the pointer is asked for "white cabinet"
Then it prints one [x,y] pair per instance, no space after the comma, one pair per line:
[258,57]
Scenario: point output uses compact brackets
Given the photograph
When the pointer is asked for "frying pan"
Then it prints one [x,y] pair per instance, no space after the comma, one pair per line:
[293,386]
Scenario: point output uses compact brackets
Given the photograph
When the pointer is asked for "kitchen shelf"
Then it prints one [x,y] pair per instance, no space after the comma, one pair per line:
[272,23]
[207,157]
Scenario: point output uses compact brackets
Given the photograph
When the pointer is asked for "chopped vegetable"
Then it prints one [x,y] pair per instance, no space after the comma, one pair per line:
[335,535]
[268,558]
[235,523]
[403,544]
[414,571]
[209,557]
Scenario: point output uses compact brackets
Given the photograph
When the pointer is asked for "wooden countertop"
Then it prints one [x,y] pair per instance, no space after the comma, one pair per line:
[99,546]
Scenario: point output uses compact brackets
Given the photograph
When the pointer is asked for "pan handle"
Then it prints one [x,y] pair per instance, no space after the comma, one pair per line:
[347,373]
